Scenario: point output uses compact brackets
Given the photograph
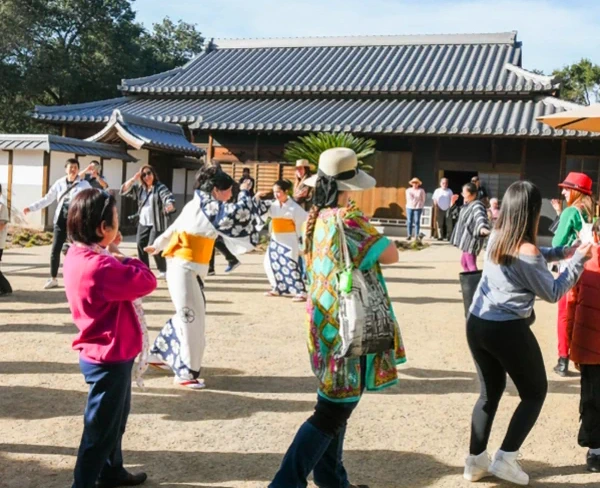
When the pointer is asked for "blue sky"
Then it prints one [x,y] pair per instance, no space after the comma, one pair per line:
[554,33]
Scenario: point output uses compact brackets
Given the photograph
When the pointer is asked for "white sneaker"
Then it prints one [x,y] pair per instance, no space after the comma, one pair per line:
[162,276]
[477,467]
[506,466]
[51,283]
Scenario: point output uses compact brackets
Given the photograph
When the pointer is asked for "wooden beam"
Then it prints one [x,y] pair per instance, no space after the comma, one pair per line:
[210,150]
[523,158]
[9,183]
[46,182]
[563,161]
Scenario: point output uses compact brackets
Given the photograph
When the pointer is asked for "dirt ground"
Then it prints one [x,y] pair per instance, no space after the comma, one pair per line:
[261,389]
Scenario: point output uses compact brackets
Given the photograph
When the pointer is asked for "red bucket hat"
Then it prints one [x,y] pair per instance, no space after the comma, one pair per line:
[578,181]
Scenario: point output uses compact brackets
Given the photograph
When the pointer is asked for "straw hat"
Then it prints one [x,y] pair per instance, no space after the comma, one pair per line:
[302,163]
[415,180]
[342,163]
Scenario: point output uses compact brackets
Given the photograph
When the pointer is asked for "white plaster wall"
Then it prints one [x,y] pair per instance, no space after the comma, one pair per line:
[112,170]
[57,165]
[179,181]
[4,172]
[28,175]
[142,156]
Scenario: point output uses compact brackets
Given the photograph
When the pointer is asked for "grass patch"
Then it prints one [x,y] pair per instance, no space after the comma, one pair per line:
[20,237]
[416,245]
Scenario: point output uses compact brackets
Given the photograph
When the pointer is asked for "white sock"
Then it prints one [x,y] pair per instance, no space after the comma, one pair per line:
[596,452]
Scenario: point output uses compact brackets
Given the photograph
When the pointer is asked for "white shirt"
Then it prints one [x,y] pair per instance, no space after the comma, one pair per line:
[146,213]
[3,218]
[57,192]
[443,198]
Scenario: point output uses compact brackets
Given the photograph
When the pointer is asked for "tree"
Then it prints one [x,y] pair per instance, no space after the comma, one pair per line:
[70,51]
[580,82]
[311,146]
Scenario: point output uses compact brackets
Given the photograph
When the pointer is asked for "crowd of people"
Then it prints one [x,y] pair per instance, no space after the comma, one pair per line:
[313,224]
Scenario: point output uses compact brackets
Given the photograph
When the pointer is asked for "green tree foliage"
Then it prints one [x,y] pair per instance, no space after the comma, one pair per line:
[311,146]
[580,82]
[71,51]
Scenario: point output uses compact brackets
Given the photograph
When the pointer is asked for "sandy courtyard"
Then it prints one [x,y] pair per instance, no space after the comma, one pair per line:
[260,389]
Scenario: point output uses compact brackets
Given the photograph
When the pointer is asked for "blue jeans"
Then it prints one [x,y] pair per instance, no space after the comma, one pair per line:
[413,220]
[104,421]
[317,448]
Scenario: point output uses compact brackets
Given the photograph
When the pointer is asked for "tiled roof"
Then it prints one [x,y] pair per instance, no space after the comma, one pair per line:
[377,65]
[360,116]
[36,142]
[140,132]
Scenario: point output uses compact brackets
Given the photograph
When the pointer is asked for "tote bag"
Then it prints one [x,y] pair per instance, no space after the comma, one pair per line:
[469,281]
[365,322]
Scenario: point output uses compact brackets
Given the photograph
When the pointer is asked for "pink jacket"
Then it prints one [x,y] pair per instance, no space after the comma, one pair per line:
[415,198]
[100,291]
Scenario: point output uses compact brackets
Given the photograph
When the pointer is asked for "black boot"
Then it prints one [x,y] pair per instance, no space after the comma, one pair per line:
[562,368]
[128,479]
[593,462]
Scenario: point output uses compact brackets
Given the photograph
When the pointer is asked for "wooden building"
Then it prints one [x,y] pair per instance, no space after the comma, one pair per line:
[437,105]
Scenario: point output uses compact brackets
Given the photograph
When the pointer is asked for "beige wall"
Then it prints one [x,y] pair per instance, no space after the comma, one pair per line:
[28,175]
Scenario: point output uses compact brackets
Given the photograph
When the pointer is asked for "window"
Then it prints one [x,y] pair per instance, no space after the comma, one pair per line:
[590,165]
[497,184]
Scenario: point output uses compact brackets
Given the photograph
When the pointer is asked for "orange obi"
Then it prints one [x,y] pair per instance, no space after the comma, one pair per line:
[283,226]
[190,247]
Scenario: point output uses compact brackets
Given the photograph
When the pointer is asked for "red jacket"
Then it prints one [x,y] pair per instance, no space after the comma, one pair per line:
[100,291]
[583,309]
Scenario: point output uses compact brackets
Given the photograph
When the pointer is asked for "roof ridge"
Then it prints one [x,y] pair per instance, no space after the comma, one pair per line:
[44,109]
[368,40]
[128,118]
[525,73]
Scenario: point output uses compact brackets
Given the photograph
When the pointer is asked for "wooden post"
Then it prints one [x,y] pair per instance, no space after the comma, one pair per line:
[209,152]
[563,160]
[10,182]
[185,187]
[436,163]
[46,182]
[523,158]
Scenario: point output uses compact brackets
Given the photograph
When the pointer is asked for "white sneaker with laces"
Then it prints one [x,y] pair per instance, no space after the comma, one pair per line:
[506,466]
[477,467]
[162,276]
[51,283]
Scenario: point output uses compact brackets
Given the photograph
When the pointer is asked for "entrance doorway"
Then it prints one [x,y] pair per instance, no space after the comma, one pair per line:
[457,179]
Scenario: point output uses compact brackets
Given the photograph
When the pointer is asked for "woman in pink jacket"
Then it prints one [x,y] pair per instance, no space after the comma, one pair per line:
[100,287]
[415,201]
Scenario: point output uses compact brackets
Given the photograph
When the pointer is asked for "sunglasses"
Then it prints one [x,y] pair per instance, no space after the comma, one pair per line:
[146,173]
[106,196]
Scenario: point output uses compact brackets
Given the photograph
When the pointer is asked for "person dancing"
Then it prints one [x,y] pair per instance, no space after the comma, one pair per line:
[282,259]
[499,333]
[188,245]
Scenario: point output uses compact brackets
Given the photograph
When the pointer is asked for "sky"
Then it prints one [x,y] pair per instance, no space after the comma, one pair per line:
[554,33]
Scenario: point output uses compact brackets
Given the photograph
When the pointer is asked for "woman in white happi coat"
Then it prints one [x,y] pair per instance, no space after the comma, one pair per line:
[283,264]
[188,244]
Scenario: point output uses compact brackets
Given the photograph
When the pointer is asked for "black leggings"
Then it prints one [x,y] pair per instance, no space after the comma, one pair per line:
[499,348]
[4,284]
[58,240]
[145,237]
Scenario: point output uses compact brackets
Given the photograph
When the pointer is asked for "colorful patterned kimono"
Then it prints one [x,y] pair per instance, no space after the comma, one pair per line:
[188,244]
[282,259]
[340,379]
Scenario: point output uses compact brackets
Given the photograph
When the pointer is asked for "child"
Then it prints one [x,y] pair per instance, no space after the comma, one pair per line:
[5,288]
[583,329]
[494,211]
[101,288]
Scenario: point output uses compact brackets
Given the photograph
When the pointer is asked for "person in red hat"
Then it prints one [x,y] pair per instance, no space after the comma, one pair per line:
[577,192]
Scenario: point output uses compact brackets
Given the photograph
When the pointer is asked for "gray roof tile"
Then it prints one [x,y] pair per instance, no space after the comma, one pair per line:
[361,116]
[465,64]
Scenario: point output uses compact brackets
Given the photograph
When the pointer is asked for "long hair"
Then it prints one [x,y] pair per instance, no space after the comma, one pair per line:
[210,177]
[155,181]
[307,174]
[517,223]
[583,202]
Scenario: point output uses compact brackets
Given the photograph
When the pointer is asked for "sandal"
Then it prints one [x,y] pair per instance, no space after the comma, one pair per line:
[159,366]
[271,293]
[299,298]
[191,384]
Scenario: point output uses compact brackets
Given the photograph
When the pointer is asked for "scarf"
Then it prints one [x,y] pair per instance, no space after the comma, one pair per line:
[326,188]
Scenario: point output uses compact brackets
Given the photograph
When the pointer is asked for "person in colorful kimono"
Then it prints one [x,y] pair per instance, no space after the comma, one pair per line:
[318,445]
[188,245]
[282,259]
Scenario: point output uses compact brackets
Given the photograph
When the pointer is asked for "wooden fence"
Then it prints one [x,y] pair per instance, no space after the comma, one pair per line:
[264,174]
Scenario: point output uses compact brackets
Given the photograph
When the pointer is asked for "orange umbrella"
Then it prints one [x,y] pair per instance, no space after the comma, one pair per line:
[585,119]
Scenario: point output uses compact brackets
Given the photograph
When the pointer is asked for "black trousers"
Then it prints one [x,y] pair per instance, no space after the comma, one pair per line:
[441,217]
[499,348]
[58,240]
[589,406]
[220,245]
[145,236]
[4,284]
